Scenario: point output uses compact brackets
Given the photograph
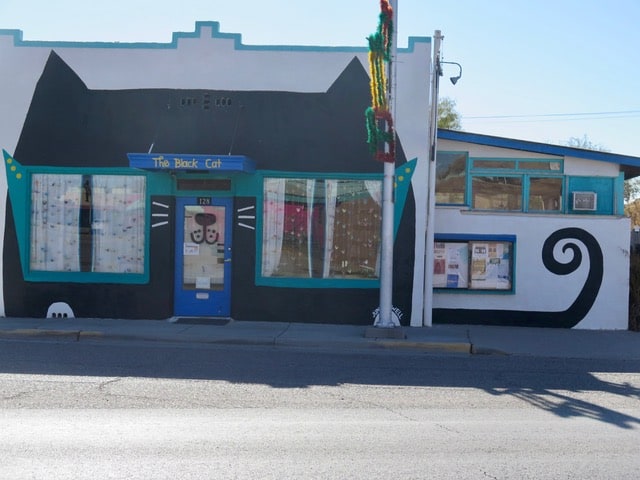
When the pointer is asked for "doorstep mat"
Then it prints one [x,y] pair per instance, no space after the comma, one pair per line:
[203,321]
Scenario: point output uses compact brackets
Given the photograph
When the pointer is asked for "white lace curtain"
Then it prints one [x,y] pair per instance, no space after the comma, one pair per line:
[118,223]
[374,188]
[331,197]
[311,187]
[272,224]
[116,233]
[55,222]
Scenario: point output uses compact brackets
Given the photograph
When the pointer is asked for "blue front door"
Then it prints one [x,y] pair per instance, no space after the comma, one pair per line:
[203,257]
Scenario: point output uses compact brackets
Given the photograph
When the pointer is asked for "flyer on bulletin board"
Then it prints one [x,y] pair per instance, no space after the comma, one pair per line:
[490,267]
[450,265]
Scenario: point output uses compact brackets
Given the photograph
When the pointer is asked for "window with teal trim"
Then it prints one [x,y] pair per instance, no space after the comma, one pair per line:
[516,185]
[545,194]
[321,228]
[87,223]
[496,192]
[451,177]
[464,264]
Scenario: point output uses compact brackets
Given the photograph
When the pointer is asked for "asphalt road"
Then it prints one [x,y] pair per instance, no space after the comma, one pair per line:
[145,410]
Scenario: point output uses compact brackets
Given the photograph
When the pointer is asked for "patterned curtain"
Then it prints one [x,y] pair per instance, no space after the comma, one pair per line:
[374,187]
[55,222]
[118,223]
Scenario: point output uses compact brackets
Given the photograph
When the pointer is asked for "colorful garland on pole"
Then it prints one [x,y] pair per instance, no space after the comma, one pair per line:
[380,132]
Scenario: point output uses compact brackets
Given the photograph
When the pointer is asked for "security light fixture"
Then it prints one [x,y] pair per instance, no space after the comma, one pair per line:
[455,79]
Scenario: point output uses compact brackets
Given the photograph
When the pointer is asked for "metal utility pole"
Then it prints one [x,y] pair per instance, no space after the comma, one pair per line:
[431,189]
[385,319]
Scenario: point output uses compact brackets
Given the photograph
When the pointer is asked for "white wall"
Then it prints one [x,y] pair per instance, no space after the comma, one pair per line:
[591,168]
[537,289]
[489,151]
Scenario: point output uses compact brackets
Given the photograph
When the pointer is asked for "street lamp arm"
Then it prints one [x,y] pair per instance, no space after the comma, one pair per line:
[455,79]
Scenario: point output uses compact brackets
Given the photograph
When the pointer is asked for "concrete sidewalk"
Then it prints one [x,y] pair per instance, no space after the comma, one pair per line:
[461,339]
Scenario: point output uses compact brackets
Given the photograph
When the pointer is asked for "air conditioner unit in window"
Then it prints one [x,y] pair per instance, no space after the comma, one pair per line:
[585,201]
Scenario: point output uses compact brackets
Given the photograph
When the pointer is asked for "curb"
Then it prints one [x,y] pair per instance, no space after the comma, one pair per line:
[38,332]
[276,340]
[93,335]
[476,350]
[451,347]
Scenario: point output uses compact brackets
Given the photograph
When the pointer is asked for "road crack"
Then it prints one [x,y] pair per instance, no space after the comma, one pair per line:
[103,385]
[486,474]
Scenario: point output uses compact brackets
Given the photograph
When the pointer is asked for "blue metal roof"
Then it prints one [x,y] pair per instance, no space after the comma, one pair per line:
[544,148]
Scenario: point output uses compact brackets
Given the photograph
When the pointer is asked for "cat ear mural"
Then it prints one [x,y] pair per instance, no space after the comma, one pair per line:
[71,125]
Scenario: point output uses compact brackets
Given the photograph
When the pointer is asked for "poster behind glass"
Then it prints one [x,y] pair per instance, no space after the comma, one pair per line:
[490,265]
[451,265]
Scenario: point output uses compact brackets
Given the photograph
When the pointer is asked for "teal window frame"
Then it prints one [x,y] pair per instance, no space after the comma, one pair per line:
[82,277]
[465,194]
[301,282]
[610,190]
[494,174]
[526,174]
[527,192]
[519,164]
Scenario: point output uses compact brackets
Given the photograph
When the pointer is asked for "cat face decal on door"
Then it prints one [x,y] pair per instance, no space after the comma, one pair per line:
[205,230]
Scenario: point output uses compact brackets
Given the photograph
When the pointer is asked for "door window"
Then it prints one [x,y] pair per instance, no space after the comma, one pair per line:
[203,247]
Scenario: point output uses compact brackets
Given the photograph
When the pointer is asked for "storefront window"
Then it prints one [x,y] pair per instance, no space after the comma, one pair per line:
[87,223]
[321,228]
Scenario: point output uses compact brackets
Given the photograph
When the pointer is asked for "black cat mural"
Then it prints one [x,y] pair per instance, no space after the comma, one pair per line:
[70,125]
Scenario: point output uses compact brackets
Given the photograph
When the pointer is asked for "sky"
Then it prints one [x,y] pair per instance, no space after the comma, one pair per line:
[545,71]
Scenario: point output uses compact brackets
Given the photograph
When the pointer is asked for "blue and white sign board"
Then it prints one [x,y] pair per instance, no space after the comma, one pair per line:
[191,162]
